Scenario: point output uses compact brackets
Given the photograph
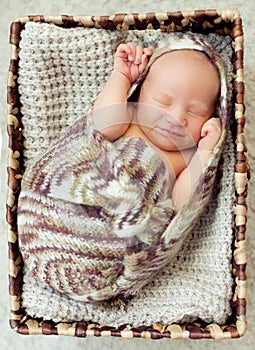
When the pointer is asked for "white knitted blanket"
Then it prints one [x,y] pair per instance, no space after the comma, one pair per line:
[61,72]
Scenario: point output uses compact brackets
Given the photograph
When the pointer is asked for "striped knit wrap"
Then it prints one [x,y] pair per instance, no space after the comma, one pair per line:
[95,218]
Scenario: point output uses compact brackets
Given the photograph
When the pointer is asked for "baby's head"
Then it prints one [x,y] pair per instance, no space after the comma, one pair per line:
[179,93]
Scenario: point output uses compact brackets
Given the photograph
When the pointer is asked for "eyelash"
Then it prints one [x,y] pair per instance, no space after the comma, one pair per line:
[193,113]
[163,103]
[196,114]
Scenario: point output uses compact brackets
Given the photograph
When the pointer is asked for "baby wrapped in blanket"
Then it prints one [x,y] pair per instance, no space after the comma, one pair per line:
[110,203]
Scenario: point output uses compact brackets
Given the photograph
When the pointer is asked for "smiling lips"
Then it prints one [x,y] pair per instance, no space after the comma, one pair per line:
[171,133]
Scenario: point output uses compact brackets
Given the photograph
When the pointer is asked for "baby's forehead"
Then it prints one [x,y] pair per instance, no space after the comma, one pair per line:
[183,54]
[183,68]
[189,59]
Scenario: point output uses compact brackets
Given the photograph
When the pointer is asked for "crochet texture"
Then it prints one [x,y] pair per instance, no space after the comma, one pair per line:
[61,72]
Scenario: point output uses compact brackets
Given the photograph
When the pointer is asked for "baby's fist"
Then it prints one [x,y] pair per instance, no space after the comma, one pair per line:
[131,60]
[210,134]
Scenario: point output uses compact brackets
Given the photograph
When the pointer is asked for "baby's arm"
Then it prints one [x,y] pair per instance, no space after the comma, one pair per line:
[210,135]
[111,115]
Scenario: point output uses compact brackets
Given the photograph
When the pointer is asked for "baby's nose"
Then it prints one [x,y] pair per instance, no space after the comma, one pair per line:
[176,115]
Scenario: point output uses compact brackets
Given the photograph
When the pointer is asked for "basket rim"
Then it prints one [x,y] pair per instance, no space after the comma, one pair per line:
[224,22]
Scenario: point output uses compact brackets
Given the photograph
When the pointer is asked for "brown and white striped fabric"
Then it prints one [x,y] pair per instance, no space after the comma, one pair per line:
[96,219]
[75,210]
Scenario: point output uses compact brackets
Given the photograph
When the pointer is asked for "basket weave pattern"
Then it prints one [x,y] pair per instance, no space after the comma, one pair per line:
[222,22]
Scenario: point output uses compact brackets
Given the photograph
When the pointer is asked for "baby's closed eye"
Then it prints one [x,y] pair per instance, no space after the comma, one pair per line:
[163,100]
[198,110]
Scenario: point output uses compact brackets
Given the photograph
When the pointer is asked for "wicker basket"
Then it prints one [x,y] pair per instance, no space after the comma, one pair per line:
[223,22]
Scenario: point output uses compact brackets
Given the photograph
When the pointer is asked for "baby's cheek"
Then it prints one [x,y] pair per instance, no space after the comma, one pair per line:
[148,115]
[195,135]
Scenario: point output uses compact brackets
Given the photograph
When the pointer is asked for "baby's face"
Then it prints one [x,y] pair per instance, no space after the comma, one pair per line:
[177,97]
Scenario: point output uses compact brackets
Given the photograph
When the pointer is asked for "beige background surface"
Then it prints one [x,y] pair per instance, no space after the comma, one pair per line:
[9,10]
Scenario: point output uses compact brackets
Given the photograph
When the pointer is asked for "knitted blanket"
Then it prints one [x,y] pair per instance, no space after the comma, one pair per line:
[138,255]
[86,214]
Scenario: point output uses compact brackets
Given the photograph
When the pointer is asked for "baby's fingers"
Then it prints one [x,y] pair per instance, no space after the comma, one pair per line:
[126,51]
[142,55]
[147,51]
[210,134]
[144,62]
[135,53]
[213,125]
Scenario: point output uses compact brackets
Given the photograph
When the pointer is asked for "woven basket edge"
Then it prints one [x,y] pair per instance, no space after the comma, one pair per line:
[20,322]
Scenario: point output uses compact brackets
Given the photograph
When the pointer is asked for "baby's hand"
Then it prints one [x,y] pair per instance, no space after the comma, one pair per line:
[210,134]
[131,60]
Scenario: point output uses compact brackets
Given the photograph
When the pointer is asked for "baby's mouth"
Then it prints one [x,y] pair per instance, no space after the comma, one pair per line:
[171,133]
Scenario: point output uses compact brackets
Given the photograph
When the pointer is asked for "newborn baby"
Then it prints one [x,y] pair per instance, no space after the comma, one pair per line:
[174,109]
[95,215]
